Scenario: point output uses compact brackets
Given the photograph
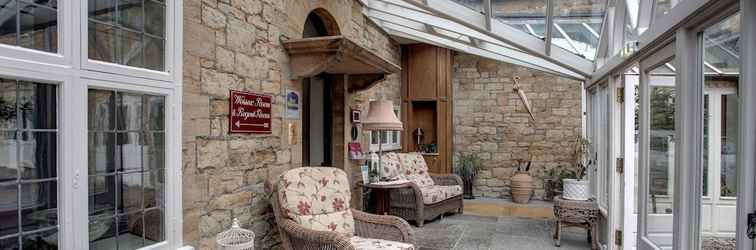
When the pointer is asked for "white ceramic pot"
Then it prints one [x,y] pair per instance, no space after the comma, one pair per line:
[576,190]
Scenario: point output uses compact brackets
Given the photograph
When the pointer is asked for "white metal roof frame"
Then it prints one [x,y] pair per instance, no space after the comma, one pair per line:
[431,21]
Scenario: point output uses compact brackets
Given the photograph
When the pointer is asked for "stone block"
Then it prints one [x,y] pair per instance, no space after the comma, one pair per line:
[213,18]
[212,154]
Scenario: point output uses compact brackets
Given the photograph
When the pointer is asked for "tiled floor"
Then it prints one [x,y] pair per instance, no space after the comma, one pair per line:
[466,231]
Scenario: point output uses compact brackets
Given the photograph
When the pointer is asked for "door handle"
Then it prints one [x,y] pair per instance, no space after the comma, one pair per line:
[751,231]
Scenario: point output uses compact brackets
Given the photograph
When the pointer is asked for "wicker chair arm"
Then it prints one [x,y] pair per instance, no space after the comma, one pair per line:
[446,179]
[304,238]
[382,227]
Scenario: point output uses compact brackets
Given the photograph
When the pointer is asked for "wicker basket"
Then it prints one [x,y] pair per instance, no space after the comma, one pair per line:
[236,238]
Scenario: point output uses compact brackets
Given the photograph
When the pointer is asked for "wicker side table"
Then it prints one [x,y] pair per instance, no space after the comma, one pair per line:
[383,195]
[583,214]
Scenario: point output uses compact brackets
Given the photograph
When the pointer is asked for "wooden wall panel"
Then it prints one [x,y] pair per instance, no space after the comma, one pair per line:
[426,102]
[422,72]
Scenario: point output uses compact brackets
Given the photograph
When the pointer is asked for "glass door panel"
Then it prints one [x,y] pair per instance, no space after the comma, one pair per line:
[657,149]
[720,123]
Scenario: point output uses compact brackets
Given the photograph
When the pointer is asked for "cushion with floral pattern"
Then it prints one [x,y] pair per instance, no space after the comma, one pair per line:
[413,168]
[434,194]
[317,198]
[390,164]
[378,244]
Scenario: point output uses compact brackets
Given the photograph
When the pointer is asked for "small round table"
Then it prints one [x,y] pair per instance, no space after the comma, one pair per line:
[583,214]
[383,195]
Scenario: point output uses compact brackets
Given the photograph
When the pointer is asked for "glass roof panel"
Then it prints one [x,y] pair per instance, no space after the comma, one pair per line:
[662,7]
[722,45]
[570,16]
[516,13]
[631,23]
[476,5]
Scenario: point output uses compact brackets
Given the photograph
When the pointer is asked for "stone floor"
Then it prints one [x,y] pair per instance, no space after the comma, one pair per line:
[465,231]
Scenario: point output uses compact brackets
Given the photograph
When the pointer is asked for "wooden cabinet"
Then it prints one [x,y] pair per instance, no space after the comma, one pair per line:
[427,104]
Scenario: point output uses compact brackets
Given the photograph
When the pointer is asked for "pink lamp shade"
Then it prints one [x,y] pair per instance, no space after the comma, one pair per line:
[381,116]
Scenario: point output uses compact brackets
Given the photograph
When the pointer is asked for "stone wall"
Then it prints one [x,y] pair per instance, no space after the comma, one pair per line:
[490,121]
[236,44]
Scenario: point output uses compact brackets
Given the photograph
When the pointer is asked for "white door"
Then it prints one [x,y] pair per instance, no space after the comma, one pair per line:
[629,187]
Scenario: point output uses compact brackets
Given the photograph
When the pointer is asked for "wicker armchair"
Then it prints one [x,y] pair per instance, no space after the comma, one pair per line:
[410,203]
[368,229]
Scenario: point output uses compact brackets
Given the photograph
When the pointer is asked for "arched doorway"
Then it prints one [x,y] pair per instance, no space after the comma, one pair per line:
[317,108]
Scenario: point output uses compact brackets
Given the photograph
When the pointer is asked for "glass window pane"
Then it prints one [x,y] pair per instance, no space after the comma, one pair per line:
[129,151]
[154,18]
[8,110]
[8,156]
[10,243]
[154,151]
[577,21]
[129,111]
[154,108]
[42,209]
[722,45]
[102,233]
[130,228]
[30,24]
[130,48]
[8,207]
[154,49]
[38,155]
[47,239]
[39,27]
[102,199]
[8,29]
[102,10]
[154,189]
[661,157]
[130,199]
[101,152]
[37,105]
[130,14]
[153,226]
[101,110]
[128,32]
[102,42]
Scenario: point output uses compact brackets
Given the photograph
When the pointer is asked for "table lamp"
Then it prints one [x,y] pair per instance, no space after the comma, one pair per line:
[381,117]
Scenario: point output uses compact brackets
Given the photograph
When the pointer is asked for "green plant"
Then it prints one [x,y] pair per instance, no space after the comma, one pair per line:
[582,157]
[467,166]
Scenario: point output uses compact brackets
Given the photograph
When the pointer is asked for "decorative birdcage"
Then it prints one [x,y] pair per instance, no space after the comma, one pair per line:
[236,238]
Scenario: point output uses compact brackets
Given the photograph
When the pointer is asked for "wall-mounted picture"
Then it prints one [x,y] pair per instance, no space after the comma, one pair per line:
[292,104]
[356,116]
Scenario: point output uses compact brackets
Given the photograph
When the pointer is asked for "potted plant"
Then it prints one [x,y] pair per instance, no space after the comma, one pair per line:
[579,188]
[467,168]
[553,185]
[522,182]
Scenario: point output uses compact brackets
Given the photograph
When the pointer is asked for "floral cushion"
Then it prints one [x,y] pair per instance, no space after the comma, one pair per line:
[317,198]
[413,168]
[433,194]
[390,163]
[371,244]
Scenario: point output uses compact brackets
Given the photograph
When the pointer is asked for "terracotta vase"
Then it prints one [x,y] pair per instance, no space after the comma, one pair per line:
[522,187]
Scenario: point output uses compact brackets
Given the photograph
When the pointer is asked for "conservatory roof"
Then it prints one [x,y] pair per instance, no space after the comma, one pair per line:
[513,31]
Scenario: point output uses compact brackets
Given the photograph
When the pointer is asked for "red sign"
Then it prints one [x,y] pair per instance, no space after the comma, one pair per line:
[250,113]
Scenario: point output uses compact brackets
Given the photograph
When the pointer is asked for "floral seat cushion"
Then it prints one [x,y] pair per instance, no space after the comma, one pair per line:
[317,199]
[378,244]
[390,164]
[434,194]
[413,168]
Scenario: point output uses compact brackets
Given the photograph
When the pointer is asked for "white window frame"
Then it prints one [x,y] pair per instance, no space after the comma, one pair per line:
[390,144]
[73,73]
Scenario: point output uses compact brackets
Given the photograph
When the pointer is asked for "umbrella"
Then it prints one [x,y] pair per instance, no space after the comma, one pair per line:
[516,88]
